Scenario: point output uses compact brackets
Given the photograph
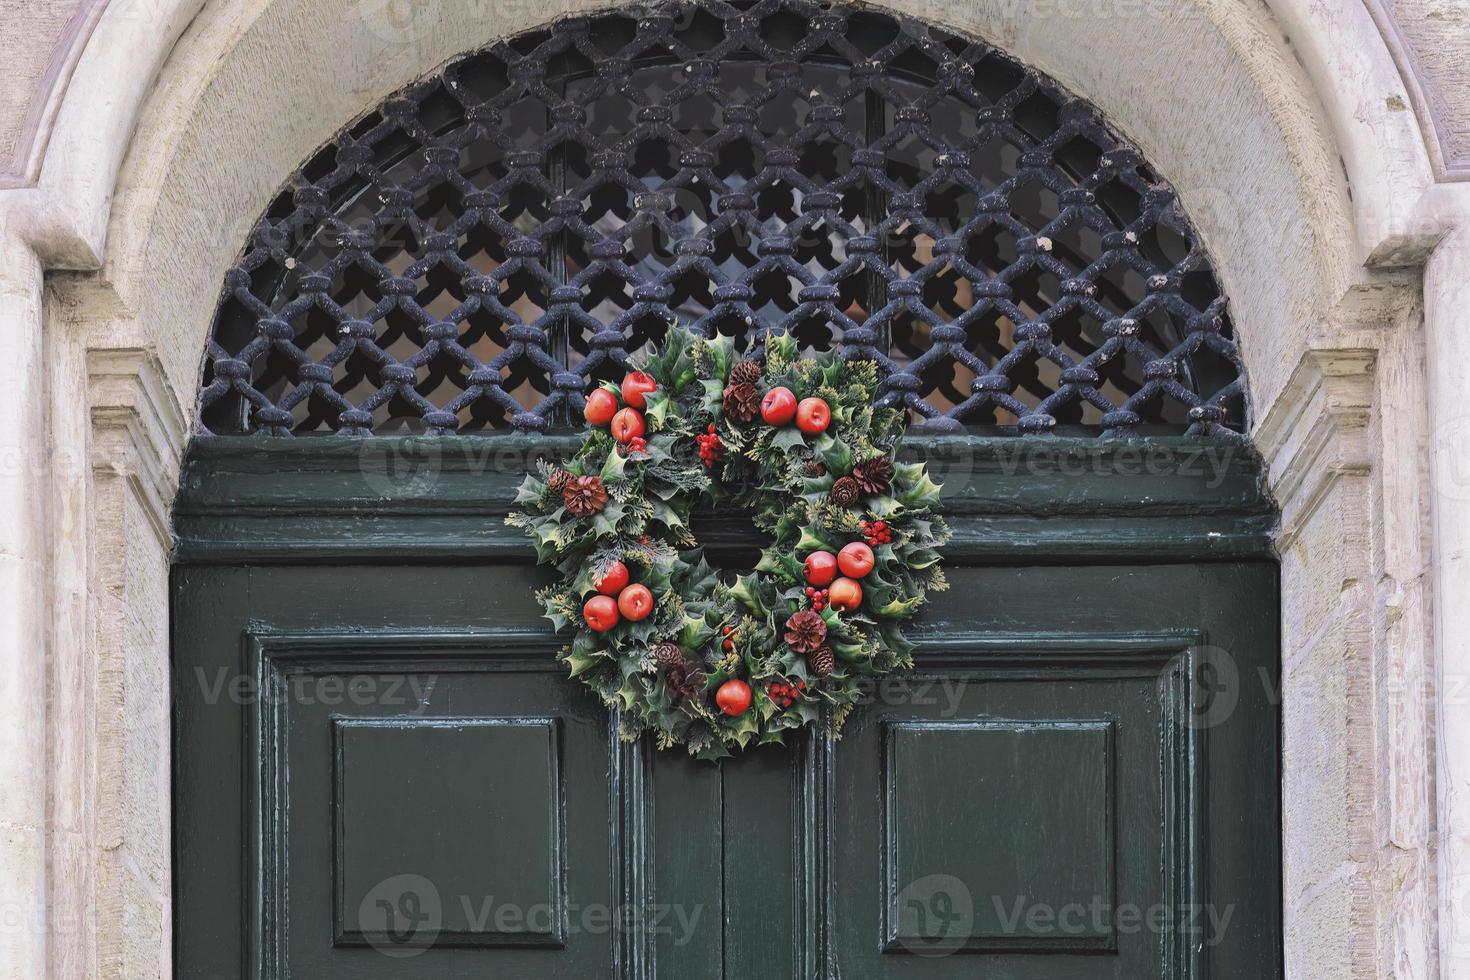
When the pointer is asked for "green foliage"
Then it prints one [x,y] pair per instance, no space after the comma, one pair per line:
[732,625]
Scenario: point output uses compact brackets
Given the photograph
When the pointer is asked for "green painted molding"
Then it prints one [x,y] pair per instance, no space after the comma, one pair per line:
[425,499]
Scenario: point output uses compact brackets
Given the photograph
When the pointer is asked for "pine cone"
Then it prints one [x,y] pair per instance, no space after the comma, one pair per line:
[557,481]
[668,655]
[686,680]
[821,661]
[742,402]
[815,467]
[584,495]
[747,372]
[846,492]
[874,475]
[806,631]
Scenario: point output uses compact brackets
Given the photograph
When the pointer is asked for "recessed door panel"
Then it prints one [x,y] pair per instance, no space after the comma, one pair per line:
[1076,781]
[948,784]
[412,798]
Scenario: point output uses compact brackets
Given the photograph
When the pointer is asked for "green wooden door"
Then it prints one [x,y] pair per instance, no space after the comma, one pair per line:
[380,771]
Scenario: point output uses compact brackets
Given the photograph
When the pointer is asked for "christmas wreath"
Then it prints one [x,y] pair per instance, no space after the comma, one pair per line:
[716,661]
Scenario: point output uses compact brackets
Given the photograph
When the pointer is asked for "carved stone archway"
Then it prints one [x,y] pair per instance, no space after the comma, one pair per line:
[1334,352]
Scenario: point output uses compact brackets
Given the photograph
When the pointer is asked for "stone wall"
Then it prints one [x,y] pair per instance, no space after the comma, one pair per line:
[1312,186]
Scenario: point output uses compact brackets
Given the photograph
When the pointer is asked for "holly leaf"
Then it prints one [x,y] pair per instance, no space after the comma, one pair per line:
[903,648]
[788,438]
[656,411]
[629,691]
[548,538]
[605,521]
[713,400]
[743,728]
[882,506]
[667,515]
[530,491]
[713,752]
[694,634]
[835,453]
[614,467]
[781,351]
[899,608]
[806,711]
[583,577]
[781,563]
[745,591]
[701,577]
[671,363]
[583,656]
[917,558]
[920,492]
[722,353]
[559,620]
[812,540]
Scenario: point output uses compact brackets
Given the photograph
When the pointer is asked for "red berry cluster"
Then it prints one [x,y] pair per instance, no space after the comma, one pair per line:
[785,694]
[876,533]
[637,444]
[709,447]
[728,644]
[818,597]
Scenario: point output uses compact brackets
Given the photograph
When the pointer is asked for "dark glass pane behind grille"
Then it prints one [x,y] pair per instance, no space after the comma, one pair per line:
[484,246]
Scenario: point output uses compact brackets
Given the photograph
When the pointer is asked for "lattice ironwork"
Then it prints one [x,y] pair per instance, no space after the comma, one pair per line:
[483,247]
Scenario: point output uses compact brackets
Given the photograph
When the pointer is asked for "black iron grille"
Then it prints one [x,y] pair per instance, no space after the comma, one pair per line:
[477,251]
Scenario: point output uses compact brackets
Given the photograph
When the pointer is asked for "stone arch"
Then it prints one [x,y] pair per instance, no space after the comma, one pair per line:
[162,207]
[191,175]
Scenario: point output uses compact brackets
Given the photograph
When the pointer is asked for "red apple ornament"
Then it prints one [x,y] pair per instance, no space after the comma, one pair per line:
[813,416]
[601,406]
[855,560]
[778,407]
[821,568]
[600,613]
[612,580]
[627,425]
[845,595]
[733,697]
[635,602]
[635,386]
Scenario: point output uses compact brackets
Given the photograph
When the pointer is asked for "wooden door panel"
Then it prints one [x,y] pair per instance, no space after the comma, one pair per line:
[1005,833]
[1036,803]
[725,856]
[465,835]
[471,803]
[425,794]
[1050,751]
[1021,783]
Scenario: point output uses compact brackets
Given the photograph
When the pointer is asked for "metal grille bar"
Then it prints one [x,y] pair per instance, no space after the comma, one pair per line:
[481,248]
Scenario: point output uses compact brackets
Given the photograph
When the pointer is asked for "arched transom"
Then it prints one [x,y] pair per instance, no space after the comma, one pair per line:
[479,250]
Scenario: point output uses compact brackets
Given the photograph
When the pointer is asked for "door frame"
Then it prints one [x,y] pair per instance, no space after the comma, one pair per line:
[1337,367]
[1011,500]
